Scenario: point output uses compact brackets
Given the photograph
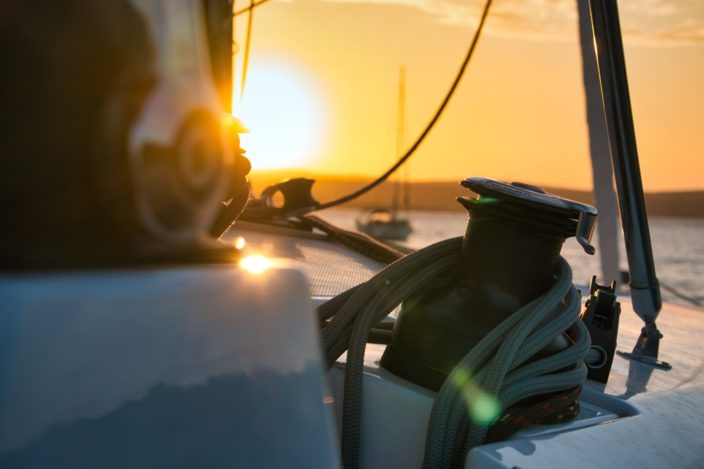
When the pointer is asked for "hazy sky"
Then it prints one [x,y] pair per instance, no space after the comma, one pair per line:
[322,88]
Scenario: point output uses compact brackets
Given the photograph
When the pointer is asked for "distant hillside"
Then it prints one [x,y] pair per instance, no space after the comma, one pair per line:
[442,195]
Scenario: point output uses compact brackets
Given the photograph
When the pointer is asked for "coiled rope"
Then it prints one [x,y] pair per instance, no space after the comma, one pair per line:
[497,370]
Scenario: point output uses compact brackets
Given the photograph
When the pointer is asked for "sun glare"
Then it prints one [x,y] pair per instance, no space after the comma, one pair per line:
[255,264]
[284,115]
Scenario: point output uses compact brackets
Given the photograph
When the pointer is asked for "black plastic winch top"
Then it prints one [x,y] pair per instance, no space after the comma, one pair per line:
[536,200]
[510,253]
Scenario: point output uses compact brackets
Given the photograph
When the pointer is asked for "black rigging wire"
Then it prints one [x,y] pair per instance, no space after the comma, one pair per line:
[247,44]
[426,131]
[680,295]
[251,7]
[460,73]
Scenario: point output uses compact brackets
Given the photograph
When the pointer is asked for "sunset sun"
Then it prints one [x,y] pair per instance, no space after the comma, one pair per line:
[284,114]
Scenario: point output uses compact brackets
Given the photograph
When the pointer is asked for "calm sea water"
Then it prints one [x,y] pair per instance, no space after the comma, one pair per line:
[678,247]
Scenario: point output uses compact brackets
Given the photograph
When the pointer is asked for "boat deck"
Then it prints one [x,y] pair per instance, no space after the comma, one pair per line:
[331,269]
[643,416]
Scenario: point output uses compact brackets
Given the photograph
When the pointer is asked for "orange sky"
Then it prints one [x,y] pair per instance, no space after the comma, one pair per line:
[519,112]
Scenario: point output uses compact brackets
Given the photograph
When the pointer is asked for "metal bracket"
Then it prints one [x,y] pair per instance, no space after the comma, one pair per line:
[601,315]
[646,348]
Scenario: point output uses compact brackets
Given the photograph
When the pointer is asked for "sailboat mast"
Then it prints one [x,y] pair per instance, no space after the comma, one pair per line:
[400,136]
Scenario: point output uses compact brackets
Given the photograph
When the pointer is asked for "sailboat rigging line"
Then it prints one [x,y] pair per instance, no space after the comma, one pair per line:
[247,48]
[251,7]
[680,295]
[359,242]
[424,133]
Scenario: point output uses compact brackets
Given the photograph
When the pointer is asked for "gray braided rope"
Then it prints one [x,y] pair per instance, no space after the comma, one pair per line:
[357,310]
[377,309]
[498,358]
[451,432]
[346,314]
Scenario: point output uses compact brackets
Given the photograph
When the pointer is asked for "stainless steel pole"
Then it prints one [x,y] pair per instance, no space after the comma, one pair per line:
[645,289]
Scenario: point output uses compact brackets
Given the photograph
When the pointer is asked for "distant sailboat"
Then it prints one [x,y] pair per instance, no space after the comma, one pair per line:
[385,223]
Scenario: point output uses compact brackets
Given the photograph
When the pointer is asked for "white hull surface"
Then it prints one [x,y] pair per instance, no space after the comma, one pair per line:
[94,363]
[643,418]
[192,367]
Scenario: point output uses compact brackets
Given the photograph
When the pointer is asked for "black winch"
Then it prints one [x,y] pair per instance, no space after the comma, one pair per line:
[510,253]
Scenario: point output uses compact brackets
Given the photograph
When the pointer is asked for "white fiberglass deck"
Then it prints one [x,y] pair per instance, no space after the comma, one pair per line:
[644,417]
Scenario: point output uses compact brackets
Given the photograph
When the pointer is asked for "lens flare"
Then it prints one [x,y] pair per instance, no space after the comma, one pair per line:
[482,407]
[255,264]
[239,243]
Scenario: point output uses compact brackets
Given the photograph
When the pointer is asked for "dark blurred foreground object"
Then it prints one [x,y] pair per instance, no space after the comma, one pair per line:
[88,174]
